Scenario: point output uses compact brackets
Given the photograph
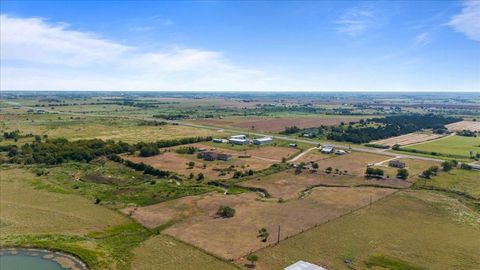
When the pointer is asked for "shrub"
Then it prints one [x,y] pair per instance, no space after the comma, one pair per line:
[225,211]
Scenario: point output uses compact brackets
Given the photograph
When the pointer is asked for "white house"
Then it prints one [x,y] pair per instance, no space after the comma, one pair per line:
[301,265]
[327,149]
[264,140]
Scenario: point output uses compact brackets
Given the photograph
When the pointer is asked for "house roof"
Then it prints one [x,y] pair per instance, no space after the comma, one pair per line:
[301,265]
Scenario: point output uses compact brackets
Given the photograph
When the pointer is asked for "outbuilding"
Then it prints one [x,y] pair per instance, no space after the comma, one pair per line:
[396,164]
[264,140]
[301,265]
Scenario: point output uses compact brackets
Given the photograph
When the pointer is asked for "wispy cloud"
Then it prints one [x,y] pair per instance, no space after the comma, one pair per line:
[36,54]
[356,21]
[468,20]
[422,39]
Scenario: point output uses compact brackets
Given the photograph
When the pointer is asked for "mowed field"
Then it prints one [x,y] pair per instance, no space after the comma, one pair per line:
[407,139]
[232,238]
[25,210]
[423,228]
[165,252]
[464,125]
[414,166]
[454,145]
[279,124]
[260,158]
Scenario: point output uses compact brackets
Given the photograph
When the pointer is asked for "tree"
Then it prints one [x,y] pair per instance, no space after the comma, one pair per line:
[200,177]
[263,234]
[427,173]
[328,170]
[191,164]
[315,165]
[447,166]
[225,211]
[252,258]
[402,174]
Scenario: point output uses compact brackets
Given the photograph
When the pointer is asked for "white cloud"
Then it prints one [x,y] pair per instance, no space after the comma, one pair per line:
[468,21]
[356,21]
[422,39]
[36,54]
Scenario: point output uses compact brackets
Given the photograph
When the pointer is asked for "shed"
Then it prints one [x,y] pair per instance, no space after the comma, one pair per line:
[264,140]
[396,164]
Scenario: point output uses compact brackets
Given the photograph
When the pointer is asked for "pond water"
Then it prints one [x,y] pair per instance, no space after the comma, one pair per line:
[32,259]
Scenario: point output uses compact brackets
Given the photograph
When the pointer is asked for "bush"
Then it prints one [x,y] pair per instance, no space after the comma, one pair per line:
[225,211]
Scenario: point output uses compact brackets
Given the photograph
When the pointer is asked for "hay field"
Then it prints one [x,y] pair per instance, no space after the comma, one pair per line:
[454,145]
[270,124]
[407,139]
[234,237]
[165,252]
[464,125]
[25,210]
[424,228]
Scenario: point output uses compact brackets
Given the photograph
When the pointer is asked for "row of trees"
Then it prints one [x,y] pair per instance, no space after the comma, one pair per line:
[147,169]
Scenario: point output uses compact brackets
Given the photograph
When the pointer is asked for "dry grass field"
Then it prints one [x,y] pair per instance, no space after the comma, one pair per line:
[232,238]
[25,210]
[165,252]
[288,185]
[407,139]
[279,124]
[353,163]
[414,166]
[260,158]
[424,228]
[464,125]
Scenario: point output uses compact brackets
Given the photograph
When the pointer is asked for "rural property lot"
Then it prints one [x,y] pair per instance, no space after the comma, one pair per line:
[234,237]
[424,228]
[279,124]
[406,139]
[26,210]
[464,125]
[354,163]
[288,185]
[261,158]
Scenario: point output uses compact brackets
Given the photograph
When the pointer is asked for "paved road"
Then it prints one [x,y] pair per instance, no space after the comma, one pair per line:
[232,130]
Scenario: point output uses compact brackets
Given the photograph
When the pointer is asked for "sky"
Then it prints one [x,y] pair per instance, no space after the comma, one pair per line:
[240,45]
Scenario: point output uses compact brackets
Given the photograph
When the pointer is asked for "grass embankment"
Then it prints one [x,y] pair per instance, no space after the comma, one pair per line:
[417,228]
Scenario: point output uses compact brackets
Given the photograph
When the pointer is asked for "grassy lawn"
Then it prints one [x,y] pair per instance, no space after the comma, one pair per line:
[416,228]
[451,145]
[165,252]
[466,181]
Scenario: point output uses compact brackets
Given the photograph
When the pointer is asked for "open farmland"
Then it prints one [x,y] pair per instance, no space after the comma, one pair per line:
[26,210]
[279,124]
[165,252]
[234,237]
[452,145]
[464,125]
[287,185]
[105,129]
[457,180]
[259,158]
[414,166]
[423,228]
[407,139]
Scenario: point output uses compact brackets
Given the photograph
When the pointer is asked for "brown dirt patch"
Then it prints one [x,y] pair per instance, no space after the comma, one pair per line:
[464,125]
[407,139]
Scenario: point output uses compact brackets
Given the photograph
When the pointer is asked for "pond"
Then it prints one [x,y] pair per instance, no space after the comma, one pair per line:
[36,259]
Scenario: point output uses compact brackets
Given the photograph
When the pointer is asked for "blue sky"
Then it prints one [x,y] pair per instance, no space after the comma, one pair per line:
[256,46]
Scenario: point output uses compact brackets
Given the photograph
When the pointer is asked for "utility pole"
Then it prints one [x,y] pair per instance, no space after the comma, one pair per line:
[278,235]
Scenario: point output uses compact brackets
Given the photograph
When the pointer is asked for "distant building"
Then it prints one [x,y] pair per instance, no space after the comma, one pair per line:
[238,141]
[327,149]
[475,166]
[217,140]
[211,156]
[301,265]
[396,164]
[244,137]
[293,145]
[264,140]
[340,152]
